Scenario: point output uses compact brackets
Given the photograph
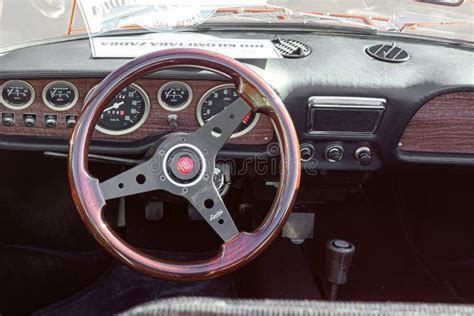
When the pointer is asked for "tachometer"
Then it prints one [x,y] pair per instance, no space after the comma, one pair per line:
[17,94]
[126,112]
[216,100]
[60,95]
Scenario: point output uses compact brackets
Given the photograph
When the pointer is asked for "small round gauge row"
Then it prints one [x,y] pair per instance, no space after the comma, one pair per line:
[57,95]
[62,95]
[131,107]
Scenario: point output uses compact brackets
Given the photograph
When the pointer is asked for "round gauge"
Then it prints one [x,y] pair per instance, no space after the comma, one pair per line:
[17,94]
[126,112]
[175,96]
[60,95]
[216,100]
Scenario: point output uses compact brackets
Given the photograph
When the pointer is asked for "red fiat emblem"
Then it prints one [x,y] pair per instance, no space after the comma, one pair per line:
[185,165]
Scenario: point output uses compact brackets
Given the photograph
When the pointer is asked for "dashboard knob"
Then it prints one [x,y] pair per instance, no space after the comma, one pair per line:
[173,121]
[29,120]
[306,151]
[334,153]
[71,121]
[364,156]
[8,119]
[51,121]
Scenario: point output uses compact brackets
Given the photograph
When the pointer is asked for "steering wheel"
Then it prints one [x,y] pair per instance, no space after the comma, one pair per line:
[182,164]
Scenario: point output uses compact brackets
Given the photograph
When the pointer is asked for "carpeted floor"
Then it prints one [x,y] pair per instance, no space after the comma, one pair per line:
[404,235]
[120,288]
[280,273]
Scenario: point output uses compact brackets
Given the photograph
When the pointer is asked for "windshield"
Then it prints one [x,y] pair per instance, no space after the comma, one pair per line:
[23,21]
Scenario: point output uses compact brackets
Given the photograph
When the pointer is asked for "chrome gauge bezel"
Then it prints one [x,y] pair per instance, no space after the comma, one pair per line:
[165,105]
[139,124]
[16,107]
[207,94]
[54,107]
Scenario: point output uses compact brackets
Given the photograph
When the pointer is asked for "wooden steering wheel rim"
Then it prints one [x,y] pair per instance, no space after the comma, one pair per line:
[236,252]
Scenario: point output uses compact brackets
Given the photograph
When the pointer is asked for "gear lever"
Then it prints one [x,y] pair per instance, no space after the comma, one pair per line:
[339,254]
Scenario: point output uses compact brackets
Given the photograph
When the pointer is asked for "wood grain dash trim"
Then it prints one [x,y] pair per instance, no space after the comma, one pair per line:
[445,124]
[157,122]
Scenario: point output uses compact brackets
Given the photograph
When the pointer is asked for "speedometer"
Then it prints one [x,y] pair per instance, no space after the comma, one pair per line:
[216,100]
[126,112]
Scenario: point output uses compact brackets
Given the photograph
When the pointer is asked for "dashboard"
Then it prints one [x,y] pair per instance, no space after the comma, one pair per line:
[351,111]
[49,108]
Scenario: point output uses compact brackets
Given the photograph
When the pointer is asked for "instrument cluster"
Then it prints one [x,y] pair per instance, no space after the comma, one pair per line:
[124,114]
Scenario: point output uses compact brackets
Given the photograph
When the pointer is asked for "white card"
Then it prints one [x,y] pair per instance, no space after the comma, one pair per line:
[133,46]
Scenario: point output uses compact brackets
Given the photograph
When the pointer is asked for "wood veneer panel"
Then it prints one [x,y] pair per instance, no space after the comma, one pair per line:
[445,124]
[262,133]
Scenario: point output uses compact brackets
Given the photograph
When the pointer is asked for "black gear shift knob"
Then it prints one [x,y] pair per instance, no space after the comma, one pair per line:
[339,254]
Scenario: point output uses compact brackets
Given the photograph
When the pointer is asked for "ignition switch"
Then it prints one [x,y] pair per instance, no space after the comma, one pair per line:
[221,178]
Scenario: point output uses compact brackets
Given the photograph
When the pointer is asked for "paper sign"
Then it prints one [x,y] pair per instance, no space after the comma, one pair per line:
[161,15]
[130,47]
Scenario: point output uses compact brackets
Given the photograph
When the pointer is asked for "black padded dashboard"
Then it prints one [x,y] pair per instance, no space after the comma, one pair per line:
[338,66]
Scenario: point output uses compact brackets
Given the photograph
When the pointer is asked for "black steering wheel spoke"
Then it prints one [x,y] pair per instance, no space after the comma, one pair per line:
[210,205]
[215,133]
[142,178]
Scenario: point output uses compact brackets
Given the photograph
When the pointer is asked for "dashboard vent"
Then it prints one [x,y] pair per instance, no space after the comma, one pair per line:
[389,53]
[289,48]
